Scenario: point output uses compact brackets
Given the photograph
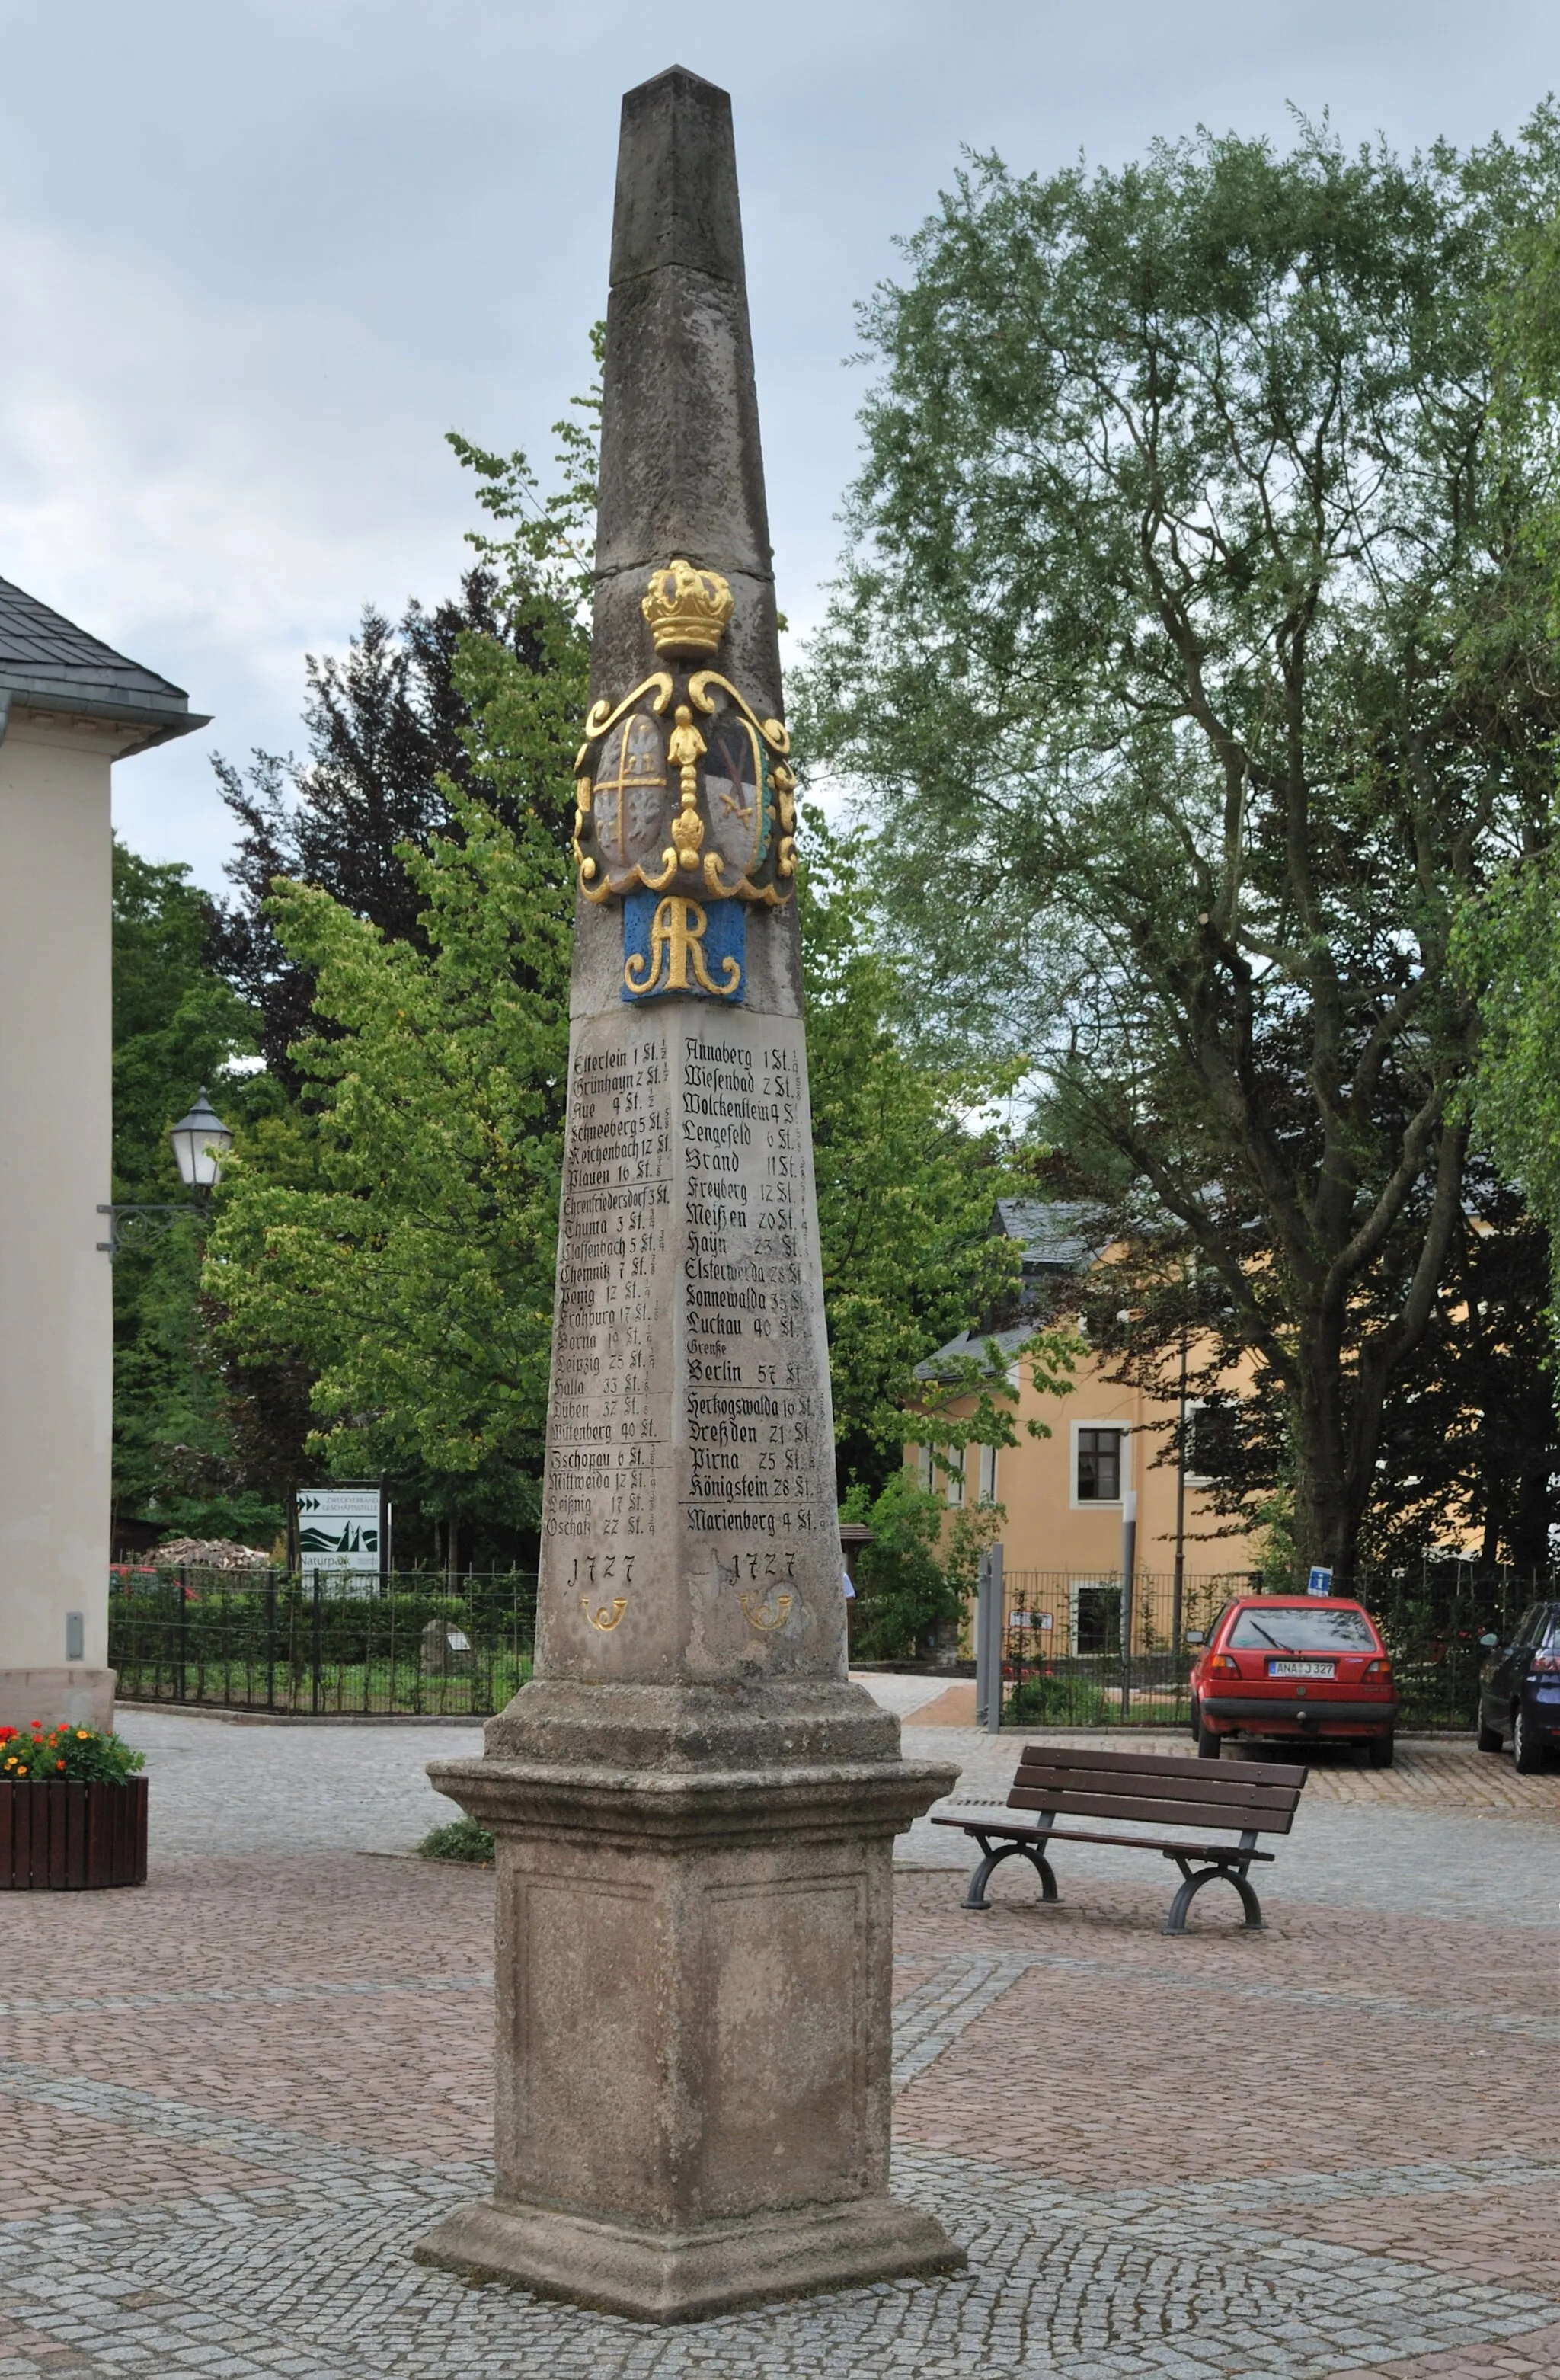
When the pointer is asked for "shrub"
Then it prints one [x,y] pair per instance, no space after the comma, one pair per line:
[902,1586]
[75,1756]
[1057,1701]
[914,1581]
[462,1840]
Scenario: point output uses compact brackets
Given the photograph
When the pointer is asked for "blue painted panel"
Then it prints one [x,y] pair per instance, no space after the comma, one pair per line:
[674,943]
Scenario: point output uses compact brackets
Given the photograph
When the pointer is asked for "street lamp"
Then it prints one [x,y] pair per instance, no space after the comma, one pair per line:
[201,1142]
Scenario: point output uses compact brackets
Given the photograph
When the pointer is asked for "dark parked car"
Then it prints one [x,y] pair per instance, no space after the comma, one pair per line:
[1520,1688]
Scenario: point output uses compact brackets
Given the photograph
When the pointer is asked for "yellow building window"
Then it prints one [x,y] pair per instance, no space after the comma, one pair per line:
[1099,1466]
[942,1468]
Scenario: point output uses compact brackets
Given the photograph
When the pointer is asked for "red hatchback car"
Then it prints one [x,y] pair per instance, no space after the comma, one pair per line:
[1300,1666]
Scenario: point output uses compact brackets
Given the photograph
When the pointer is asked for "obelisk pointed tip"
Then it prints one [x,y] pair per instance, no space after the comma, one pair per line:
[676,198]
[681,74]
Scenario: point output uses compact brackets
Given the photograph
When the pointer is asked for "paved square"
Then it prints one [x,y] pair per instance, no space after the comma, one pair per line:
[230,2102]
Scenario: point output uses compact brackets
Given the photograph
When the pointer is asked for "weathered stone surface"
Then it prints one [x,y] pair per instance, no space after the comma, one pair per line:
[681,468]
[694,2034]
[657,2275]
[76,1695]
[689,1530]
[693,1807]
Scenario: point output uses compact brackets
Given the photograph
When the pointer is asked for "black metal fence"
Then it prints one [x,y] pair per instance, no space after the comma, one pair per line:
[1066,1662]
[271,1640]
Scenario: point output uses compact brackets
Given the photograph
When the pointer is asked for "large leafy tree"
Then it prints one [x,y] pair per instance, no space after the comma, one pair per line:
[1193,662]
[906,1176]
[401,1236]
[358,919]
[1468,1456]
[176,1026]
[1508,945]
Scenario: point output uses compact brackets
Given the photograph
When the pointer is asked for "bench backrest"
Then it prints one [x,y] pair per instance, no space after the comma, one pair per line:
[1161,1789]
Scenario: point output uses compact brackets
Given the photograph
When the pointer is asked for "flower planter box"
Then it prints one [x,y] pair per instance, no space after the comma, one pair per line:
[72,1838]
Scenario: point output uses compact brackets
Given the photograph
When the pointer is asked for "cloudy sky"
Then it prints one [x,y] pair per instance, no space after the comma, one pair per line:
[255,260]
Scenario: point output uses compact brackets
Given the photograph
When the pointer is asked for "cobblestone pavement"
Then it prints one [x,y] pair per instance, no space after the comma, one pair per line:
[229,2103]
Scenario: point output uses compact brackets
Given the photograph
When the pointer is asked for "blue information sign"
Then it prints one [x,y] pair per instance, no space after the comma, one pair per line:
[1319,1582]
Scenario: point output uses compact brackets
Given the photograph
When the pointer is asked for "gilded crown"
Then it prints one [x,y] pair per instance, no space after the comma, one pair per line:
[688,610]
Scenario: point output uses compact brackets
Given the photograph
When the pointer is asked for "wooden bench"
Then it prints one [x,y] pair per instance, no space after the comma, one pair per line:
[1247,1798]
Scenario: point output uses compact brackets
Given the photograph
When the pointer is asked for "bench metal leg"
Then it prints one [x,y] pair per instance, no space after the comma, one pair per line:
[1195,1880]
[1041,1867]
[994,1856]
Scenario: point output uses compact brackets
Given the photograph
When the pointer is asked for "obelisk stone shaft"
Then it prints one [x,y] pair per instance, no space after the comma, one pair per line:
[690,1602]
[693,1807]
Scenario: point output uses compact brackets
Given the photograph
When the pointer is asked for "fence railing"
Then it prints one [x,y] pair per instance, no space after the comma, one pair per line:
[1067,1660]
[271,1640]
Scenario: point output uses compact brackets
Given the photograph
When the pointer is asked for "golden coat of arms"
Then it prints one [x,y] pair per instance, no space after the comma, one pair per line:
[681,789]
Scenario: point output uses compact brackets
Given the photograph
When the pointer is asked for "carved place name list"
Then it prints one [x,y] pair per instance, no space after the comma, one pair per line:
[607,1422]
[690,1345]
[756,1428]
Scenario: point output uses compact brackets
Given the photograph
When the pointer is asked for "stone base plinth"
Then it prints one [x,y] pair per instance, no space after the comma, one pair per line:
[74,1697]
[683,2277]
[693,1980]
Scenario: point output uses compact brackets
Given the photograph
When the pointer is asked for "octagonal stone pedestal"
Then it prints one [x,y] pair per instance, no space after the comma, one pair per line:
[694,2034]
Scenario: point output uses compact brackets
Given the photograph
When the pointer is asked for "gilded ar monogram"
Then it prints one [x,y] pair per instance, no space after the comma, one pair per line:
[676,960]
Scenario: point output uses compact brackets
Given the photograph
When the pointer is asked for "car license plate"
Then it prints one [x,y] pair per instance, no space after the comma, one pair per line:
[1300,1668]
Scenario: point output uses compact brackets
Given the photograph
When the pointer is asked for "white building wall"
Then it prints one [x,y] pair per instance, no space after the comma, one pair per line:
[56,1373]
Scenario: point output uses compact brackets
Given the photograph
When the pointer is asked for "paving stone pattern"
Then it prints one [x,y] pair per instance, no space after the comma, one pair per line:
[230,2103]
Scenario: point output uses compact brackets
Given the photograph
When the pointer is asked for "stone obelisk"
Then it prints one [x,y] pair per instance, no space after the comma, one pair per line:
[694,1809]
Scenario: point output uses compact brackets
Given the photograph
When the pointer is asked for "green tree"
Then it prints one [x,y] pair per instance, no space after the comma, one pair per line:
[358,919]
[401,1233]
[907,1175]
[913,1580]
[390,730]
[1192,656]
[177,1027]
[1508,948]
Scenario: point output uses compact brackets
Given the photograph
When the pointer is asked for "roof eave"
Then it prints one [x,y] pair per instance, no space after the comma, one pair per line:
[159,723]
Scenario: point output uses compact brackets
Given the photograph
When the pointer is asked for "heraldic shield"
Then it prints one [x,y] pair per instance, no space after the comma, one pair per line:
[628,797]
[686,792]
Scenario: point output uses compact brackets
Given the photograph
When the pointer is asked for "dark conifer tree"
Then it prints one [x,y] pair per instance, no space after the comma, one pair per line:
[384,726]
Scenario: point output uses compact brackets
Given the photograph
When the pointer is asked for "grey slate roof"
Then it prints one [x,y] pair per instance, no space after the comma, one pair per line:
[1058,1236]
[974,1343]
[1055,1232]
[48,664]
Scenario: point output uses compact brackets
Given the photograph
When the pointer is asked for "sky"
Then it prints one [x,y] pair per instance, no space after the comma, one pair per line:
[255,261]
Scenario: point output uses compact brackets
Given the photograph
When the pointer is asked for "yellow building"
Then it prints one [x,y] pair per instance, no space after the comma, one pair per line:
[1111,1458]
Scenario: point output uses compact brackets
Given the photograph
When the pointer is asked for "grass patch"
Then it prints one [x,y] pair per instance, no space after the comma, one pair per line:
[1080,1702]
[462,1840]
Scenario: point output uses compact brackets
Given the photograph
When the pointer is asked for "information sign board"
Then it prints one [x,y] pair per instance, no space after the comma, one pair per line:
[341,1534]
